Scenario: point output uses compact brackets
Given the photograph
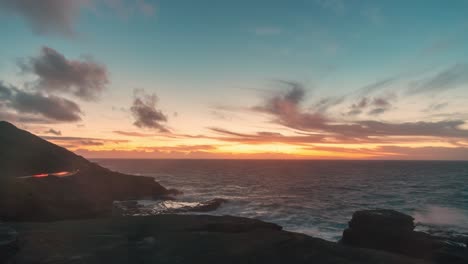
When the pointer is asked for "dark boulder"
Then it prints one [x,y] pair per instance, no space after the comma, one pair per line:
[393,231]
[382,220]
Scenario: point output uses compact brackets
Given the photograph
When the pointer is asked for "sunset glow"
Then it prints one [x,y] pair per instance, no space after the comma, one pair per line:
[304,80]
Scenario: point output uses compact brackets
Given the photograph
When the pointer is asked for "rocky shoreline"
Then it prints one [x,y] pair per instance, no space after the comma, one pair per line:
[170,238]
[84,218]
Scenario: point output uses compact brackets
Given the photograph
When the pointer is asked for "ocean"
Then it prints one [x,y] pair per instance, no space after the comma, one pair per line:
[317,197]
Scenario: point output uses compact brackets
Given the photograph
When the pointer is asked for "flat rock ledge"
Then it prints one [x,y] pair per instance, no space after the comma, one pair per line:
[181,239]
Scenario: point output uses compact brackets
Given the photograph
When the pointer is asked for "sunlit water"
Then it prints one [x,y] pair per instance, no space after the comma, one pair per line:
[317,197]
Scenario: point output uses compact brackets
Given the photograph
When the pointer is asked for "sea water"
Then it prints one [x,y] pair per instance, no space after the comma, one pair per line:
[317,197]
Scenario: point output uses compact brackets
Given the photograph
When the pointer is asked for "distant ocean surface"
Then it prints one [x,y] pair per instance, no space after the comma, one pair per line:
[318,197]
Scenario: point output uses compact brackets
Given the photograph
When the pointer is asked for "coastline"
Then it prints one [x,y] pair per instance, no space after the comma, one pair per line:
[53,219]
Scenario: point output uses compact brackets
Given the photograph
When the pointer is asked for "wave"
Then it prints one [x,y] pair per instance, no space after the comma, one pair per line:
[442,216]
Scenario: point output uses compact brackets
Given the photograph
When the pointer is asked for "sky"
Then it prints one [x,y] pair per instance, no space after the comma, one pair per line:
[299,79]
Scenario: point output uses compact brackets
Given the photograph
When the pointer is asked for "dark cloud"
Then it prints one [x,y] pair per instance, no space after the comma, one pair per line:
[436,107]
[53,132]
[11,116]
[83,139]
[90,143]
[370,88]
[59,16]
[450,78]
[410,135]
[182,148]
[84,79]
[357,108]
[145,113]
[46,16]
[377,111]
[265,137]
[5,91]
[425,153]
[52,107]
[296,93]
[38,105]
[373,106]
[77,142]
[133,134]
[324,104]
[448,128]
[286,107]
[287,111]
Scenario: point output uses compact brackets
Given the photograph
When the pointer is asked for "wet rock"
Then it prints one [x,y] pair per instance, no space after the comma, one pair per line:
[393,231]
[206,206]
[134,208]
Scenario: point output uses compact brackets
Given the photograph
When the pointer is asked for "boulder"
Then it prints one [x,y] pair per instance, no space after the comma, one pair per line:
[393,231]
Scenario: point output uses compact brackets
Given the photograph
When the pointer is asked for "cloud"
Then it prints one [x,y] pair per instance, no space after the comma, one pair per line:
[55,138]
[263,137]
[446,128]
[287,111]
[356,108]
[47,16]
[436,107]
[84,79]
[374,106]
[133,134]
[182,148]
[380,84]
[145,113]
[79,142]
[38,105]
[427,153]
[286,108]
[450,78]
[324,104]
[59,17]
[53,132]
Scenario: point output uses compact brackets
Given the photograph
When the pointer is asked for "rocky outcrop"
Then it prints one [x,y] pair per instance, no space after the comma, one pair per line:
[182,239]
[90,192]
[132,208]
[393,231]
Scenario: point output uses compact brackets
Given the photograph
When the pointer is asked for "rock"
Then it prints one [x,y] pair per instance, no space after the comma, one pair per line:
[89,192]
[382,220]
[206,206]
[132,208]
[182,239]
[8,242]
[393,231]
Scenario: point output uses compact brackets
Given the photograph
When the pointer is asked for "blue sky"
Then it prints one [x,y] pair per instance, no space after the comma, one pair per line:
[209,62]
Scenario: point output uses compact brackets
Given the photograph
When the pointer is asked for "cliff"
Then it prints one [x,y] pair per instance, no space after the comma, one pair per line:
[88,193]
